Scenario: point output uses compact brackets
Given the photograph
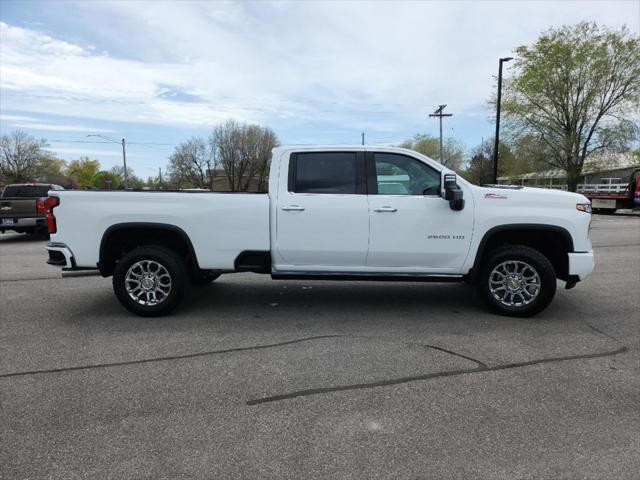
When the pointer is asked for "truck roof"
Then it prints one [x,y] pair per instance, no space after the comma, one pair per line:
[350,148]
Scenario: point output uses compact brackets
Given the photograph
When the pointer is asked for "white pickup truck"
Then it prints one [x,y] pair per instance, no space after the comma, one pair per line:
[343,213]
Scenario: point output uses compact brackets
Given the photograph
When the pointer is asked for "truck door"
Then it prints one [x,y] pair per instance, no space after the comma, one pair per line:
[322,216]
[413,229]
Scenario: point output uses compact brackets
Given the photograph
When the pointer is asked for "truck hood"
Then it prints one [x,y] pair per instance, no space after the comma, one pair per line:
[529,195]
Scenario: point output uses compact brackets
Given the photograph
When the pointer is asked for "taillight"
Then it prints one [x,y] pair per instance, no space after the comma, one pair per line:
[49,204]
[41,209]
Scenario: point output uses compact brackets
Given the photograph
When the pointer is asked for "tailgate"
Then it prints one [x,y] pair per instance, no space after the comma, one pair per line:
[18,207]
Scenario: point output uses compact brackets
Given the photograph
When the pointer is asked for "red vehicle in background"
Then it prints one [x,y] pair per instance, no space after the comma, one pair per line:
[610,202]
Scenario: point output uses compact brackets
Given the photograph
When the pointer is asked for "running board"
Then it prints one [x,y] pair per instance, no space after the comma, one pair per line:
[367,277]
[80,273]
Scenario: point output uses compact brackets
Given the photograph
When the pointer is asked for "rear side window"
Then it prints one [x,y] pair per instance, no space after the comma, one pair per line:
[323,172]
[26,191]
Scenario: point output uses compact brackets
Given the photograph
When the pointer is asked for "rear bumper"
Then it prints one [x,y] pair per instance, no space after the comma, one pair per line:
[581,264]
[23,222]
[60,255]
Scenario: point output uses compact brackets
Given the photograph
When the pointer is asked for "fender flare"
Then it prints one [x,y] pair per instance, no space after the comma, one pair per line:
[473,272]
[144,225]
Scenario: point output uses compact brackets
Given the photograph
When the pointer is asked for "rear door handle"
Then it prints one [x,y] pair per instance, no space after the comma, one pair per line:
[385,209]
[293,208]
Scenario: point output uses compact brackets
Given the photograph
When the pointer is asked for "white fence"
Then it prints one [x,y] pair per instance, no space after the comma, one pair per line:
[591,187]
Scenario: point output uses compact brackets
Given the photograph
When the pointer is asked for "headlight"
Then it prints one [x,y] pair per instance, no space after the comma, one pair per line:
[584,207]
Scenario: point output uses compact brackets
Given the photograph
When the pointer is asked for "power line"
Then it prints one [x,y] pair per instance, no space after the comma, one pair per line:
[143,144]
[76,141]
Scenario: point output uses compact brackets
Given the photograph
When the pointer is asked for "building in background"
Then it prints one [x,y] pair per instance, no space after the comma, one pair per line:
[603,173]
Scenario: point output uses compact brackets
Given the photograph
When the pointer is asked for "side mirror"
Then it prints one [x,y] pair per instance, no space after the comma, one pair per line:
[452,191]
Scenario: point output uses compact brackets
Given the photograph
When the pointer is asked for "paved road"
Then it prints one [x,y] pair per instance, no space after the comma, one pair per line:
[261,379]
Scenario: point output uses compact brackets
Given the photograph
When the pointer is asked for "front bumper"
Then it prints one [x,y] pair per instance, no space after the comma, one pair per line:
[581,264]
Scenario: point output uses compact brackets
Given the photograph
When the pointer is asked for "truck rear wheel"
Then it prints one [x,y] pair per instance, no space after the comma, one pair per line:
[517,280]
[150,281]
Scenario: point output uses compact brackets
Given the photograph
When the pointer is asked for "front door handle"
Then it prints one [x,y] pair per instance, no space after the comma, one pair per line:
[293,208]
[385,209]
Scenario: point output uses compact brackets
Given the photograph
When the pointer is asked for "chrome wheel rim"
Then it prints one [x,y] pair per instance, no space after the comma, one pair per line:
[148,282]
[514,283]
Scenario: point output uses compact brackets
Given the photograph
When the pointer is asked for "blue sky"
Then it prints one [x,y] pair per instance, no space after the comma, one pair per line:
[157,73]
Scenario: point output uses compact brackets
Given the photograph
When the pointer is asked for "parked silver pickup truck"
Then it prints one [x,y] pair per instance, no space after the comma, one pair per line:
[22,207]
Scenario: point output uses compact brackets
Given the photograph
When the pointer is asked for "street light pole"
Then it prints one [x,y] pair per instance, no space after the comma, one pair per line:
[124,161]
[497,139]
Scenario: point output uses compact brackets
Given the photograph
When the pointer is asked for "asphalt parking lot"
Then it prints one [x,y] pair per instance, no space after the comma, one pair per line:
[254,378]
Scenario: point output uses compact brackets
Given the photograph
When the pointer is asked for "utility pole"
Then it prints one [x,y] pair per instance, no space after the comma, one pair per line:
[124,154]
[160,177]
[481,160]
[497,139]
[362,138]
[438,113]
[124,161]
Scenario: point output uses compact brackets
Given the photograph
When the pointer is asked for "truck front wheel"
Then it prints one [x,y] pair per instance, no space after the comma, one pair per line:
[150,281]
[517,280]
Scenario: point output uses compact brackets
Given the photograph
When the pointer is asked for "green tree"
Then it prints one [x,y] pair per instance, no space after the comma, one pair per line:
[134,182]
[452,149]
[83,170]
[104,180]
[480,167]
[575,90]
[52,170]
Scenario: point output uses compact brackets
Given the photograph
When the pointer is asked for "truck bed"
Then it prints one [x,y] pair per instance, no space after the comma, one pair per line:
[220,226]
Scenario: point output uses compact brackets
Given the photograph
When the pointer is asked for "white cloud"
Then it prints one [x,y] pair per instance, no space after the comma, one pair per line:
[372,64]
[16,118]
[61,128]
[89,152]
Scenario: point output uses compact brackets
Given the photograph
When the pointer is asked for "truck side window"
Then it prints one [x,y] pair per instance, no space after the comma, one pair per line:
[401,175]
[323,172]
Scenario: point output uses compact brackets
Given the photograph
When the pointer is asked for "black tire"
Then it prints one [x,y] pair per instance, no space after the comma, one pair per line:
[533,259]
[204,278]
[172,264]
